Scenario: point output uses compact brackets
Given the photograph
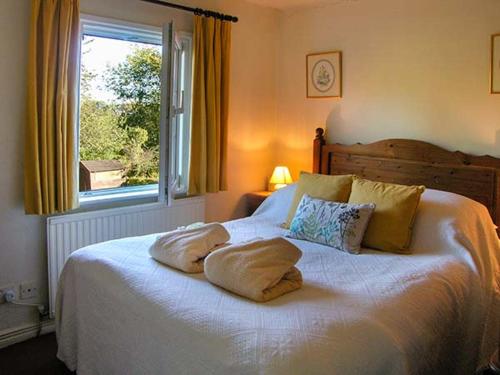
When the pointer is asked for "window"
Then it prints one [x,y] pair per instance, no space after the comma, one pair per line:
[124,94]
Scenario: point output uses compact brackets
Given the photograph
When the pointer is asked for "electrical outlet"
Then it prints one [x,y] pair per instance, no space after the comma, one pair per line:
[5,288]
[28,290]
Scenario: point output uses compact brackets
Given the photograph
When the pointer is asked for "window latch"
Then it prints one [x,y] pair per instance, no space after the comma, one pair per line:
[180,109]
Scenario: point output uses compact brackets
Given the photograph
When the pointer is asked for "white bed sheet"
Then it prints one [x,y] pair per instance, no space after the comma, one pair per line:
[433,312]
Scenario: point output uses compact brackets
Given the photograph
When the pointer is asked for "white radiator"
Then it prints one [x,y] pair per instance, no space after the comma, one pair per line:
[67,233]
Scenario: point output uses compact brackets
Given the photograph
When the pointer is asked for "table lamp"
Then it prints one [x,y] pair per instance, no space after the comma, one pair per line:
[280,178]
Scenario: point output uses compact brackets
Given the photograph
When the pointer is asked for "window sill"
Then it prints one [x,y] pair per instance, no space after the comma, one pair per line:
[117,196]
[111,198]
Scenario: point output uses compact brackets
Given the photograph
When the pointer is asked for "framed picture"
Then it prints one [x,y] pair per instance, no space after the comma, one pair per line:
[324,74]
[495,64]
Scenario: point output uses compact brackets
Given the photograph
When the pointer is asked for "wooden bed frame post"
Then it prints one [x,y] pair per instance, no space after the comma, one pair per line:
[318,144]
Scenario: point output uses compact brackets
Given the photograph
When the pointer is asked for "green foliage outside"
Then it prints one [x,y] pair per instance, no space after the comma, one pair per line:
[128,128]
[136,83]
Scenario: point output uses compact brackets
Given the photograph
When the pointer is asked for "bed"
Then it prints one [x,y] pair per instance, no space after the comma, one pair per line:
[432,312]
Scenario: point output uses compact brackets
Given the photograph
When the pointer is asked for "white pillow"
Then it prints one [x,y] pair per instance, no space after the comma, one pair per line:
[443,218]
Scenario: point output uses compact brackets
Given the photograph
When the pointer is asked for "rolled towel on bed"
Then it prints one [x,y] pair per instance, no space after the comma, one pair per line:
[260,269]
[185,249]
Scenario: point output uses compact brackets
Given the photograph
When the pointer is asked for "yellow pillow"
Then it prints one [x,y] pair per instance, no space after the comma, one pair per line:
[320,186]
[391,223]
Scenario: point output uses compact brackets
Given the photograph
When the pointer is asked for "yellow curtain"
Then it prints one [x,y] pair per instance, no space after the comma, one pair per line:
[50,170]
[211,54]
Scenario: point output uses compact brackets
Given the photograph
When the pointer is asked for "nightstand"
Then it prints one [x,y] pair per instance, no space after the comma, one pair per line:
[255,199]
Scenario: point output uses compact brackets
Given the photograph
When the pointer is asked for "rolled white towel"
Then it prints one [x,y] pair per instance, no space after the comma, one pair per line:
[185,249]
[260,269]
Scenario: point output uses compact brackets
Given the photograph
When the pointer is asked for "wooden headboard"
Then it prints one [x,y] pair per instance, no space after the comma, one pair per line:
[410,162]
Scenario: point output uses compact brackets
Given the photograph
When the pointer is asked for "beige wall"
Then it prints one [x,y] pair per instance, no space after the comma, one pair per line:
[412,69]
[252,118]
[252,111]
[22,250]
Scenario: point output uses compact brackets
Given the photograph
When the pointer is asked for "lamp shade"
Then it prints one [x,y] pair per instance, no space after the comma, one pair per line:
[280,178]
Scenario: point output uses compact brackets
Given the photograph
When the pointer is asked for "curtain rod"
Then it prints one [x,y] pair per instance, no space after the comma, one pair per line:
[197,11]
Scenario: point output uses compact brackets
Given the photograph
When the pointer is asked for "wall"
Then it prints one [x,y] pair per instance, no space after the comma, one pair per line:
[412,69]
[22,254]
[252,120]
[252,111]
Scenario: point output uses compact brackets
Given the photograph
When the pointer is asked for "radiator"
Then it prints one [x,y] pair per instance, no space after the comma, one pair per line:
[67,233]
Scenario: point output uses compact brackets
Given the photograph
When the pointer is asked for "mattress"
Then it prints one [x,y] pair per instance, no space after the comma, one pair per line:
[432,312]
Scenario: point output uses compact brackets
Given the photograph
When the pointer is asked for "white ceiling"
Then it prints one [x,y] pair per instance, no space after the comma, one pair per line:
[293,4]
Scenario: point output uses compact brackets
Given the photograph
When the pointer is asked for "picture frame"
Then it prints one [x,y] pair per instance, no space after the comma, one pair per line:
[324,75]
[495,64]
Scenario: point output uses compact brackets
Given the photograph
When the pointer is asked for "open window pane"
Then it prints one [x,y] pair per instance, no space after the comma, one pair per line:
[181,123]
[177,114]
[119,110]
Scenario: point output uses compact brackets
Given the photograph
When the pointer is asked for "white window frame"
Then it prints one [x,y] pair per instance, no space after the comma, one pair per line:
[134,32]
[180,137]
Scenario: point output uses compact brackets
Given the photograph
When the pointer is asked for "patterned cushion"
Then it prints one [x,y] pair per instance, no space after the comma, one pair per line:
[339,225]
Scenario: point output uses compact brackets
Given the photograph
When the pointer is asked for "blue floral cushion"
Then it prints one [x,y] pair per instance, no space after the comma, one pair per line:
[339,225]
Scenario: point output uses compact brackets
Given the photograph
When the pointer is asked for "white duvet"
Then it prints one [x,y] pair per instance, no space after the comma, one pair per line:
[433,312]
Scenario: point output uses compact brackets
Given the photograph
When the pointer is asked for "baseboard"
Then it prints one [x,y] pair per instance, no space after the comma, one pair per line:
[26,332]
